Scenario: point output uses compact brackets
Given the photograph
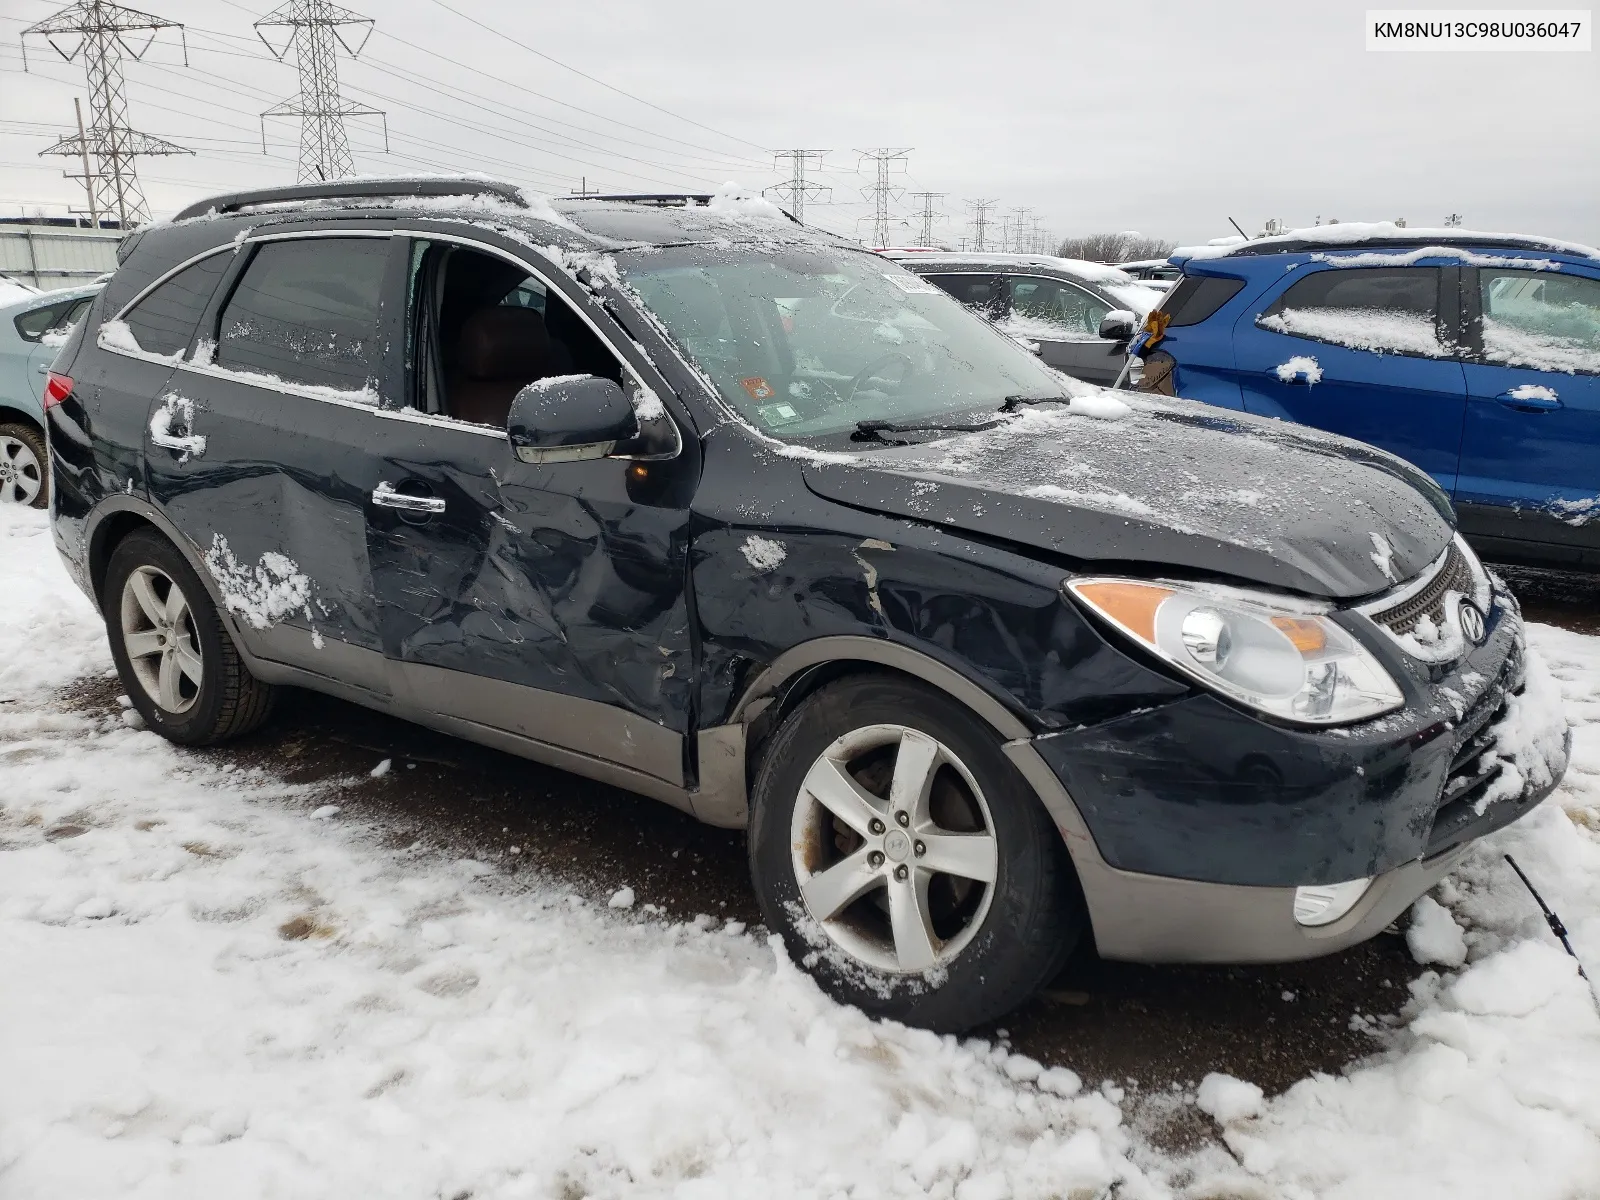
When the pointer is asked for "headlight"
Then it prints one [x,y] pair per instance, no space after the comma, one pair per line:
[1283,657]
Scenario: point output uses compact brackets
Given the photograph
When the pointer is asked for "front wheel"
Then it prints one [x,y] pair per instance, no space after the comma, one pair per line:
[905,861]
[177,661]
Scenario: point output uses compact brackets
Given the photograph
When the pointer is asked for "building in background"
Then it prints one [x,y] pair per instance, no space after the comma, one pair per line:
[56,252]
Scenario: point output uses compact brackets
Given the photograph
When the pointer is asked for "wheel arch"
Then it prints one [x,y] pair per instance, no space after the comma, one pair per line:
[119,516]
[11,414]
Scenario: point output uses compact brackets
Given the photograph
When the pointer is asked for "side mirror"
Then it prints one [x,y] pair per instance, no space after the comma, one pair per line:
[1118,325]
[569,418]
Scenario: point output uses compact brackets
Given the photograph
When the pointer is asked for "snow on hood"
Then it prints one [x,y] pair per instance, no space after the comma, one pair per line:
[1172,483]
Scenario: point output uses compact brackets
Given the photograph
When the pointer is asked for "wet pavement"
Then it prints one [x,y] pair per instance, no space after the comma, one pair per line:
[1149,1030]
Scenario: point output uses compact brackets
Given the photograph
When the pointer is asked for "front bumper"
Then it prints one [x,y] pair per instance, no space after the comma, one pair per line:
[1191,824]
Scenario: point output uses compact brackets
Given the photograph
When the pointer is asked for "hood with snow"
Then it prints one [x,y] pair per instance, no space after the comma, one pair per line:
[1168,485]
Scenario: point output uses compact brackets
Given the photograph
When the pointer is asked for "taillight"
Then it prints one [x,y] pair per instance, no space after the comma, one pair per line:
[56,389]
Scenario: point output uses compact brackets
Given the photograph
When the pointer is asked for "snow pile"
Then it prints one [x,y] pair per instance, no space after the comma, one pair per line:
[740,203]
[14,292]
[176,411]
[1227,1100]
[1099,403]
[225,997]
[49,633]
[1532,391]
[1518,347]
[1347,232]
[1360,329]
[1434,936]
[1301,366]
[115,335]
[263,594]
[764,554]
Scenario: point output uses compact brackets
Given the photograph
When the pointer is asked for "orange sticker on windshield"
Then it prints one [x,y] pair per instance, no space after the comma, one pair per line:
[758,388]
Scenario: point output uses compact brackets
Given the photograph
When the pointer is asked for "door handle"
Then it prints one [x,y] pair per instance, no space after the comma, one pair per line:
[385,496]
[44,368]
[1530,399]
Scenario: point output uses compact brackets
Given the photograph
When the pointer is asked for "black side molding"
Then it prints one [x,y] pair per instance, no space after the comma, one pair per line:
[355,189]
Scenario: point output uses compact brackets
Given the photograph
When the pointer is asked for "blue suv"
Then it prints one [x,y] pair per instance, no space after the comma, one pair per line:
[1476,357]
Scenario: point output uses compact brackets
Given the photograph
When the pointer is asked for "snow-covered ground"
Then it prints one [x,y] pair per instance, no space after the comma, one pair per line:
[213,983]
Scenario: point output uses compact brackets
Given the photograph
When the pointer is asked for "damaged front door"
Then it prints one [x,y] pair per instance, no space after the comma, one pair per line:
[547,601]
[259,447]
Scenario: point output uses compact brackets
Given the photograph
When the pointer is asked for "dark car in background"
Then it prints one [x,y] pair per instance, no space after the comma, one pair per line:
[748,519]
[1059,305]
[1474,356]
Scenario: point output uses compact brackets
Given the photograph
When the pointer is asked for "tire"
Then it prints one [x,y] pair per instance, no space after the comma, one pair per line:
[160,645]
[24,466]
[992,944]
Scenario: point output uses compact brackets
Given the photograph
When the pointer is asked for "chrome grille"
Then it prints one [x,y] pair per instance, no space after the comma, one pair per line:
[1454,575]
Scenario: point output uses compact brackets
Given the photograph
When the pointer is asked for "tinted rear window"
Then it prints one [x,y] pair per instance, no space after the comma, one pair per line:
[307,312]
[1195,297]
[1412,290]
[163,321]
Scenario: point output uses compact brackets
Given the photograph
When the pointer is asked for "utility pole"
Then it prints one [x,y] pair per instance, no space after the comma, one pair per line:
[980,222]
[881,191]
[929,216]
[101,29]
[795,188]
[88,176]
[314,36]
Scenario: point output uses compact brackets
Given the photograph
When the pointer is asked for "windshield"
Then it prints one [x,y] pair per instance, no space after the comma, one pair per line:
[808,341]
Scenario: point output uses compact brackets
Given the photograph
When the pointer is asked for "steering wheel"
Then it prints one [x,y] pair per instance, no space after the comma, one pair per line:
[866,372]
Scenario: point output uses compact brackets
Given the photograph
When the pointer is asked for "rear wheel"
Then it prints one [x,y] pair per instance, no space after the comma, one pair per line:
[24,466]
[905,861]
[177,660]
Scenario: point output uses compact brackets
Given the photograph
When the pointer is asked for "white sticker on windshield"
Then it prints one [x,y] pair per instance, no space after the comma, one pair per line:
[907,282]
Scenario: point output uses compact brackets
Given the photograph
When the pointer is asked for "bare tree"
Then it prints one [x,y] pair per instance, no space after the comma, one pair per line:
[1115,247]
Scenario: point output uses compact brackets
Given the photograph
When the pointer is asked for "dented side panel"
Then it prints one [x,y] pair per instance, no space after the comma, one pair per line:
[774,566]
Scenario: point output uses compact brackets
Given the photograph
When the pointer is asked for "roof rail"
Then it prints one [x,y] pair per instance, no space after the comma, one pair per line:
[656,199]
[356,189]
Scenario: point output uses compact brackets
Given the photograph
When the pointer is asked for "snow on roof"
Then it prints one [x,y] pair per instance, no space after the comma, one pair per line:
[1093,271]
[1365,233]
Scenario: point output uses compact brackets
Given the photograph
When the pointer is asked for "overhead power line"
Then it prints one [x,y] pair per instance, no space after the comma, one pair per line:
[500,33]
[795,187]
[315,36]
[109,146]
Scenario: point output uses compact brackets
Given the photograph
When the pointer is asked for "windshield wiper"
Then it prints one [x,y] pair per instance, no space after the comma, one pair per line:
[873,431]
[1012,403]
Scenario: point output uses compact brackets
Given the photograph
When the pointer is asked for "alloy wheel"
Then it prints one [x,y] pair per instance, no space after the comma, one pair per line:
[21,472]
[894,849]
[159,634]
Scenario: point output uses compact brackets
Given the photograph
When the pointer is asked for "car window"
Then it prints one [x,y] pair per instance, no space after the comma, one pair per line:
[1196,297]
[1049,308]
[163,321]
[985,293]
[307,312]
[1542,319]
[809,341]
[1389,310]
[31,325]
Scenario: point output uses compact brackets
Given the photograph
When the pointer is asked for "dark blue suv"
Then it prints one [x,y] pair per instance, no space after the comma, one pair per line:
[1476,357]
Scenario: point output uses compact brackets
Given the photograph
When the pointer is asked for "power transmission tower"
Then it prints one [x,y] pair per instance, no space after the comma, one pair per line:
[101,29]
[980,222]
[795,188]
[882,191]
[1018,228]
[314,36]
[929,216]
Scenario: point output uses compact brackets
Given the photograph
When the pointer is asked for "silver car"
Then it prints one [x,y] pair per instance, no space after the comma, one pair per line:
[1058,306]
[31,331]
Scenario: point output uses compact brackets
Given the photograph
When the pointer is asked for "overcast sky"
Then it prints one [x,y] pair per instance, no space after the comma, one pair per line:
[1165,118]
